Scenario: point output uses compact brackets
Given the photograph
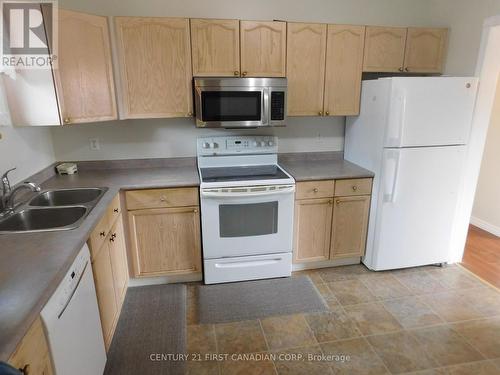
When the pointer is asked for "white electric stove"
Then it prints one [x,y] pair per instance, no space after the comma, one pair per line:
[247,206]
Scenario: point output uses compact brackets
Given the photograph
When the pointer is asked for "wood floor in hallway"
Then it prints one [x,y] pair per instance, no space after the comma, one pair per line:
[482,255]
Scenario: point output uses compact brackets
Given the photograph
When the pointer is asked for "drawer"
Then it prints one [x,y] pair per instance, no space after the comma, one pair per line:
[114,210]
[314,189]
[358,186]
[156,198]
[98,235]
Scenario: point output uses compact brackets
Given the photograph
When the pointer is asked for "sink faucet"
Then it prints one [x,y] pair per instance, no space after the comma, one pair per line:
[9,194]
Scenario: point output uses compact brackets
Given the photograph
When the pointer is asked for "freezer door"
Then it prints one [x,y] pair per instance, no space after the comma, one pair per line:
[417,201]
[430,111]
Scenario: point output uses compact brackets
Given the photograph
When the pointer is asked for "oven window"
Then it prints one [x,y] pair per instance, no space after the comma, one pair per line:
[244,220]
[231,105]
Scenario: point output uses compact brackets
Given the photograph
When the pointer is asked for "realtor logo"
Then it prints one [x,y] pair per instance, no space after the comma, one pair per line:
[29,39]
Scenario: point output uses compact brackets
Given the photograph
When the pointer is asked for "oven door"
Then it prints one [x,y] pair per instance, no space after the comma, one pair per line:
[244,221]
[232,107]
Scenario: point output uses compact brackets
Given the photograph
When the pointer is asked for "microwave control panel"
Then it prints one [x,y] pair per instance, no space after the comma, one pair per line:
[277,105]
[232,145]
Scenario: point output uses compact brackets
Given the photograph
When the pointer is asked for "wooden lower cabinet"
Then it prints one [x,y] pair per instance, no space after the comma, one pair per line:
[313,225]
[165,241]
[105,289]
[349,226]
[32,354]
[334,227]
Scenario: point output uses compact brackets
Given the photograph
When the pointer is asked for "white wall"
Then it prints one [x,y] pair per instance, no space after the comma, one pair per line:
[28,149]
[486,211]
[465,19]
[176,137]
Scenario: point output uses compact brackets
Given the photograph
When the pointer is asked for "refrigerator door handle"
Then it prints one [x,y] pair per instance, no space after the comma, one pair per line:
[391,175]
[399,119]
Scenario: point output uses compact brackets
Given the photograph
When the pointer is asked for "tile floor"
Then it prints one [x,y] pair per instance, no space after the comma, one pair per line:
[422,321]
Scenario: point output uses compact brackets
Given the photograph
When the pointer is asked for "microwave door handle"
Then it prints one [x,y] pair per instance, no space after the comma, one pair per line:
[213,194]
[265,111]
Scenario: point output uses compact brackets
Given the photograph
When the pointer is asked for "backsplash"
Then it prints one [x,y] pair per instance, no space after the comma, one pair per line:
[166,138]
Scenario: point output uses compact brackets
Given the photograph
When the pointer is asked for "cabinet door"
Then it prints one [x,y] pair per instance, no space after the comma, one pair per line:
[344,65]
[166,241]
[313,224]
[84,77]
[118,256]
[215,47]
[425,50]
[263,48]
[305,67]
[32,353]
[350,223]
[105,290]
[155,66]
[384,49]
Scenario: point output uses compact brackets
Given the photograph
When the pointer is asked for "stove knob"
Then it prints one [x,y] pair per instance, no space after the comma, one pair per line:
[254,143]
[215,145]
[205,145]
[270,143]
[259,144]
[211,145]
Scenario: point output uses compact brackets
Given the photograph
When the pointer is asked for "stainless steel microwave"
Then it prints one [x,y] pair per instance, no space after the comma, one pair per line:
[240,102]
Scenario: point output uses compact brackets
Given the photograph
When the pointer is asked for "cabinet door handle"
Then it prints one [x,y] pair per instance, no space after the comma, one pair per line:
[163,198]
[407,70]
[236,73]
[195,210]
[315,190]
[102,234]
[330,202]
[327,113]
[400,69]
[25,370]
[115,210]
[354,188]
[244,74]
[320,113]
[190,114]
[67,120]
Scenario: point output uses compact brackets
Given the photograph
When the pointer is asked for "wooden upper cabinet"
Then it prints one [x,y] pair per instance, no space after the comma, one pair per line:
[350,225]
[215,47]
[263,48]
[155,65]
[344,65]
[425,50]
[84,77]
[305,66]
[384,49]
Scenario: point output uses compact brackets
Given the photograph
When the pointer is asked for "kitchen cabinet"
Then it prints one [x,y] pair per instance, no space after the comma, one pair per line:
[110,267]
[32,354]
[331,219]
[344,65]
[350,224]
[313,225]
[84,77]
[215,47]
[324,66]
[164,231]
[397,49]
[154,56]
[425,49]
[306,53]
[263,48]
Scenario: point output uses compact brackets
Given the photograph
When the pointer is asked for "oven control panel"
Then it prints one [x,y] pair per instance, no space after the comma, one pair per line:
[230,145]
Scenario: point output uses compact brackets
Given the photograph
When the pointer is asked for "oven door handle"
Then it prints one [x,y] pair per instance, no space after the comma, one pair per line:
[229,194]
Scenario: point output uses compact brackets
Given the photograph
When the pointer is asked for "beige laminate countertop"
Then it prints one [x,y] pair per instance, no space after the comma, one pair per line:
[33,264]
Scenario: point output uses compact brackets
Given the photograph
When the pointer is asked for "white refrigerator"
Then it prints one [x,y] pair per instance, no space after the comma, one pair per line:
[412,132]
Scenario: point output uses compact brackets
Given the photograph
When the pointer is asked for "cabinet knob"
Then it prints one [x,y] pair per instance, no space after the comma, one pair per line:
[327,113]
[354,188]
[320,113]
[330,202]
[25,370]
[407,70]
[315,190]
[102,234]
[190,114]
[115,210]
[467,85]
[244,74]
[400,69]
[67,120]
[111,239]
[195,210]
[337,201]
[236,73]
[163,198]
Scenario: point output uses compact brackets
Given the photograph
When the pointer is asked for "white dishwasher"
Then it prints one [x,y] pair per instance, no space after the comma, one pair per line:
[72,323]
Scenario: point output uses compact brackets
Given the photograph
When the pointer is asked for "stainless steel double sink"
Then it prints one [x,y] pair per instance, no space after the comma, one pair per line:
[52,210]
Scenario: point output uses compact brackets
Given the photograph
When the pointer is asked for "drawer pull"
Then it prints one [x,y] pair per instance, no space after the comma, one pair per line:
[337,201]
[25,370]
[195,210]
[102,234]
[315,190]
[115,210]
[163,198]
[354,188]
[330,202]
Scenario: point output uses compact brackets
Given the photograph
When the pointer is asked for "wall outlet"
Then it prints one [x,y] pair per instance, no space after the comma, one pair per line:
[94,144]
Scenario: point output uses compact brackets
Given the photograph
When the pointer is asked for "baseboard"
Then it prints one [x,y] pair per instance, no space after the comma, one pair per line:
[143,281]
[493,229]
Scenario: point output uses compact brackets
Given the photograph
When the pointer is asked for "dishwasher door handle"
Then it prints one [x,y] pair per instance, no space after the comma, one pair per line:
[73,292]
